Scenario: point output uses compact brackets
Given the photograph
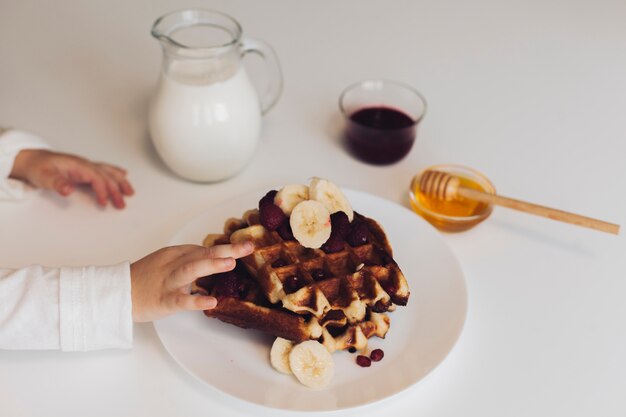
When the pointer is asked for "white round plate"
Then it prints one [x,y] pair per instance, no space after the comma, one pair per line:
[236,361]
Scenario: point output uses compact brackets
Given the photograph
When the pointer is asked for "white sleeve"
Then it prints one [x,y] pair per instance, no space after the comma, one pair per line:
[72,309]
[11,143]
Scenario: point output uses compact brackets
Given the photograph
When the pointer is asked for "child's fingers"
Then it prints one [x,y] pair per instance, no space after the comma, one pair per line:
[235,251]
[115,195]
[99,186]
[181,301]
[119,175]
[190,271]
[239,250]
[127,189]
[86,172]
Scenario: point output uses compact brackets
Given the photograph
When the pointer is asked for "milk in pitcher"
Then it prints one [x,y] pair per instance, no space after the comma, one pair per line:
[205,129]
[205,115]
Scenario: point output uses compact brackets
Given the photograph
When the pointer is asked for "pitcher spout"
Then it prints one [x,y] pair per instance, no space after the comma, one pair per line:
[196,33]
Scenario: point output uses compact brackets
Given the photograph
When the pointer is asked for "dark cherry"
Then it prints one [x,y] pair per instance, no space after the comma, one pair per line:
[363,361]
[334,244]
[271,216]
[358,235]
[339,224]
[377,355]
[205,282]
[267,198]
[228,284]
[242,289]
[285,232]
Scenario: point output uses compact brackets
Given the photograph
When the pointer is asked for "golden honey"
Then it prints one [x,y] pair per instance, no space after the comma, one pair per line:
[455,215]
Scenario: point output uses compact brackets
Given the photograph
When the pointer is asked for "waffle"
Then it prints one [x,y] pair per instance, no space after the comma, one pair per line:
[298,293]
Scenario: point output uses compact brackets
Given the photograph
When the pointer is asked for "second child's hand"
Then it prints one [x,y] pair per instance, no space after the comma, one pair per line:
[63,173]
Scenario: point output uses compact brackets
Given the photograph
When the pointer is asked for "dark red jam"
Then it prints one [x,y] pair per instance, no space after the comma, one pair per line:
[380,135]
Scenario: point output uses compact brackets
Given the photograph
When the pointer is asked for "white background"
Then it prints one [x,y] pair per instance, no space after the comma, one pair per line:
[532,93]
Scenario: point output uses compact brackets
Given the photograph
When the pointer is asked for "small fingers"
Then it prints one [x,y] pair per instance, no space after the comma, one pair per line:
[235,251]
[193,302]
[119,176]
[100,188]
[115,194]
[114,179]
[127,189]
[190,271]
[239,250]
[107,182]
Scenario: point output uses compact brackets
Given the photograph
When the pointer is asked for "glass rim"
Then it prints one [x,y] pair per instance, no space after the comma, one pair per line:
[401,84]
[164,35]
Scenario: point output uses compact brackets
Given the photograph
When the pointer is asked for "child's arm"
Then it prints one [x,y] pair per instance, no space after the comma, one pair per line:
[12,142]
[88,308]
[77,308]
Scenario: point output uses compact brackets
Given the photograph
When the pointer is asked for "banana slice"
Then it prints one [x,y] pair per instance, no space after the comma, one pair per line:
[330,195]
[310,223]
[290,195]
[279,355]
[312,364]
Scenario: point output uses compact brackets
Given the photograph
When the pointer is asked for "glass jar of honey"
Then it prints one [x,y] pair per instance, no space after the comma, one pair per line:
[456,215]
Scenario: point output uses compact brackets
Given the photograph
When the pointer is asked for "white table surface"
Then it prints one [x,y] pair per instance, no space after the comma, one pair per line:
[532,93]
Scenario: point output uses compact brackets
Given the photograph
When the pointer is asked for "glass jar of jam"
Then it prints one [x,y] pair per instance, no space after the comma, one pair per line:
[381,120]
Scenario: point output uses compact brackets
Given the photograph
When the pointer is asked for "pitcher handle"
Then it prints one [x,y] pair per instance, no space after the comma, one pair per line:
[275,77]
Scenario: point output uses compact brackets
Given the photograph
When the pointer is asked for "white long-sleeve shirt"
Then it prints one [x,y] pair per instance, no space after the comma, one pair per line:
[11,143]
[67,308]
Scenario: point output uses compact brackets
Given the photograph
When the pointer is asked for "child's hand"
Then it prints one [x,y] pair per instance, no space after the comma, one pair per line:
[63,172]
[161,281]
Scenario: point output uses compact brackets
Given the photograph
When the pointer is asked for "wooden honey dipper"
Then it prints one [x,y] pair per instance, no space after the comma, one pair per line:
[443,186]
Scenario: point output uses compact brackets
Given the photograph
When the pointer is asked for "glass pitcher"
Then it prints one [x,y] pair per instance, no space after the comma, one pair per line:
[205,115]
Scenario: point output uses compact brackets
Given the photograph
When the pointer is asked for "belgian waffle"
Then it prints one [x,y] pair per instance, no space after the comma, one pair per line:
[298,293]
